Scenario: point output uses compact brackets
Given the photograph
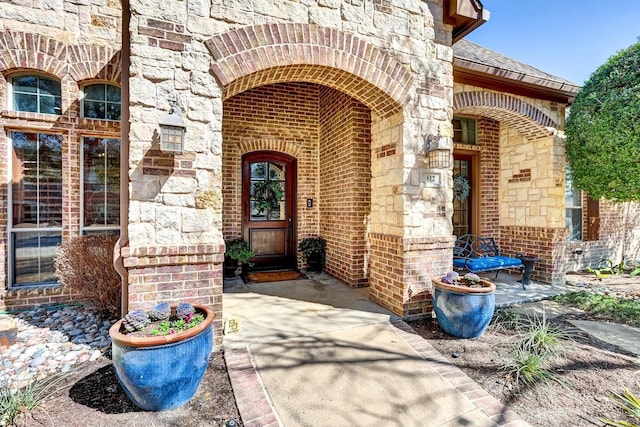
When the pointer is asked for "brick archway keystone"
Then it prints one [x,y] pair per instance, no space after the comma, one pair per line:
[530,121]
[271,53]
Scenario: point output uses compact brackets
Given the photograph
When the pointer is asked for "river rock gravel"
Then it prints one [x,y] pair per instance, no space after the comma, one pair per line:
[52,340]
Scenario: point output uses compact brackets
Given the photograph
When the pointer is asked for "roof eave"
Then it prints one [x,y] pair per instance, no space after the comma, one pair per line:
[465,16]
[513,81]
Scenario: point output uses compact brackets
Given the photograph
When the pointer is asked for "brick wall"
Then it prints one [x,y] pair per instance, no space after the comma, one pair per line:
[185,273]
[281,117]
[402,268]
[489,140]
[73,66]
[345,183]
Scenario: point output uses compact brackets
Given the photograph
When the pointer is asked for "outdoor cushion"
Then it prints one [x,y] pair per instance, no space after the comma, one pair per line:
[487,264]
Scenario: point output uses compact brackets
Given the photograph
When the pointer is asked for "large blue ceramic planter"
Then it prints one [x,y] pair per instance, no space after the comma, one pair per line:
[162,373]
[463,312]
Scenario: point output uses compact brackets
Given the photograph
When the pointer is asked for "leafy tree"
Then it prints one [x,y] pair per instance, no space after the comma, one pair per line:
[603,130]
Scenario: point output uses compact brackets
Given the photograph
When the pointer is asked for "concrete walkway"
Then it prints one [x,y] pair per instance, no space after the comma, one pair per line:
[315,353]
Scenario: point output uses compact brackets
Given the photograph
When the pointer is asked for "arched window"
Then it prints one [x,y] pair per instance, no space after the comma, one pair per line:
[101,101]
[36,94]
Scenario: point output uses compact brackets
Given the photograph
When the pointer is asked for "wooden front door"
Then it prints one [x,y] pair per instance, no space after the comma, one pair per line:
[462,212]
[268,208]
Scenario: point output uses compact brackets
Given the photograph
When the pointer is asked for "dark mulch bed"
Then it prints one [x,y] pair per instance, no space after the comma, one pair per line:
[591,369]
[91,395]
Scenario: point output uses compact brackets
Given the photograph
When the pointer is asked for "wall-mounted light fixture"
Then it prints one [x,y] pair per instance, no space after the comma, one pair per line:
[172,129]
[437,151]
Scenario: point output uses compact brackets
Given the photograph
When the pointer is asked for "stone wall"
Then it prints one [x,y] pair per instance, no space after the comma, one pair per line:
[407,86]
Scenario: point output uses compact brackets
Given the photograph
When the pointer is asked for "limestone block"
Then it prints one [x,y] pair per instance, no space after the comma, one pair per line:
[183,200]
[204,84]
[145,187]
[198,7]
[168,218]
[166,236]
[147,212]
[179,185]
[196,220]
[8,332]
[143,92]
[134,211]
[355,13]
[158,9]
[324,15]
[333,4]
[157,74]
[141,234]
[205,27]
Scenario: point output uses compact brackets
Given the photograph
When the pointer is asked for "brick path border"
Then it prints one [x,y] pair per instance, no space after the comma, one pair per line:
[489,405]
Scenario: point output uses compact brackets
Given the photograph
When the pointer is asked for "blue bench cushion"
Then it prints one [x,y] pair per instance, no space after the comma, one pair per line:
[487,264]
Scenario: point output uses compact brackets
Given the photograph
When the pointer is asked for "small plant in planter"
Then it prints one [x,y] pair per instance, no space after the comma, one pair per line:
[313,250]
[161,356]
[464,305]
[237,251]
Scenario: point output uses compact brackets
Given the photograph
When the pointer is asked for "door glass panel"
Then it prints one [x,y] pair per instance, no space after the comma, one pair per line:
[267,191]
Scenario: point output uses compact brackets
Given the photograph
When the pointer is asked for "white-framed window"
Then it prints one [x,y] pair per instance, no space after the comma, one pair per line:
[35,94]
[573,208]
[35,207]
[101,101]
[464,130]
[100,185]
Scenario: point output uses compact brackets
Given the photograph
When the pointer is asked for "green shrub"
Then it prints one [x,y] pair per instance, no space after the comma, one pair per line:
[534,345]
[619,310]
[16,403]
[85,265]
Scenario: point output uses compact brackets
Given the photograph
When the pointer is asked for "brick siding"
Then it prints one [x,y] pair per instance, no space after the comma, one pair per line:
[73,66]
[345,183]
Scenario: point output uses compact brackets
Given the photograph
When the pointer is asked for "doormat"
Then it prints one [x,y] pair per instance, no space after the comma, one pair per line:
[272,276]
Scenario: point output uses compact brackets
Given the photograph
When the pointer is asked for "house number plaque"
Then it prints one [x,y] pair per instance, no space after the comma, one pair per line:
[431,179]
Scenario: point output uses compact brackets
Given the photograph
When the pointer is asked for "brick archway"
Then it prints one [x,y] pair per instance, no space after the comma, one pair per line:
[38,52]
[273,53]
[527,119]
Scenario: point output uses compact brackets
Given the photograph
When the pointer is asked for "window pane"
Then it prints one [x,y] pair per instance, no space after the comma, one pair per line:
[22,102]
[113,111]
[49,87]
[50,180]
[95,92]
[25,84]
[33,255]
[113,94]
[573,223]
[101,175]
[259,170]
[50,105]
[94,109]
[24,179]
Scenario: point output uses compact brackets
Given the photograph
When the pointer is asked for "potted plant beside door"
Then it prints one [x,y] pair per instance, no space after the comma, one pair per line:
[313,250]
[237,251]
[464,305]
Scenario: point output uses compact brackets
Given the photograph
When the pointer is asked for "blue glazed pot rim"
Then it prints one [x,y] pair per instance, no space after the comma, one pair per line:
[125,340]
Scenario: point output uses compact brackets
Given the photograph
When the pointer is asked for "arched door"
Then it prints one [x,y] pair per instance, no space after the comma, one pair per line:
[268,208]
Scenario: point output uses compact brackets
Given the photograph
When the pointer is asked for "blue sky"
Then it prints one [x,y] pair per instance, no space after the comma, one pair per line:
[567,38]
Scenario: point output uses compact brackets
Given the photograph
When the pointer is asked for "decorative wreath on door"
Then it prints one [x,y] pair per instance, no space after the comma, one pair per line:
[461,187]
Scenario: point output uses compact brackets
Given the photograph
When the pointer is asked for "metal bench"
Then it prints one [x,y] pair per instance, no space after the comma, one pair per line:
[480,254]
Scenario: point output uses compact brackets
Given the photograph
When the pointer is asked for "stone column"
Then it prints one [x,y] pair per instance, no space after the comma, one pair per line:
[175,249]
